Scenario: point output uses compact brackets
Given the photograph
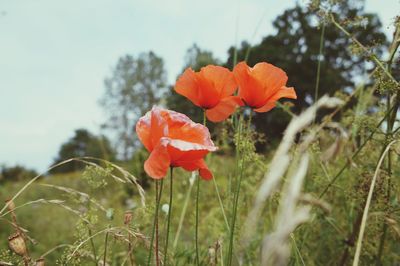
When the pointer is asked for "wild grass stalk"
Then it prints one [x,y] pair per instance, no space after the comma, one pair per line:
[105,249]
[184,208]
[320,55]
[368,203]
[242,136]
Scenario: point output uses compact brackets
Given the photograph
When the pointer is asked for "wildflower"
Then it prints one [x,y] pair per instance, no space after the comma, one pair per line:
[165,208]
[262,85]
[173,140]
[212,89]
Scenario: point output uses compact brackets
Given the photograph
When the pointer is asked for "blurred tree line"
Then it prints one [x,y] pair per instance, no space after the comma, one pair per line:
[15,173]
[82,144]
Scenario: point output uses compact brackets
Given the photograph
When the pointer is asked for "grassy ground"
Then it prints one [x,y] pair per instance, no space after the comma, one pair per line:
[326,239]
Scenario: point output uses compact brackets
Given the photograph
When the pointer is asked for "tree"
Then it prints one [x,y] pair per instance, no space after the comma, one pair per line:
[136,84]
[196,59]
[83,143]
[16,173]
[295,48]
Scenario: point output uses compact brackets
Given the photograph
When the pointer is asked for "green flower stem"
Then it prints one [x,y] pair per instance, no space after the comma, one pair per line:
[155,222]
[197,220]
[183,213]
[169,215]
[238,185]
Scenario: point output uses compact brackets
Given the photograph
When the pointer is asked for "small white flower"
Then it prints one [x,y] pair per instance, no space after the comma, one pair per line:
[165,208]
[192,178]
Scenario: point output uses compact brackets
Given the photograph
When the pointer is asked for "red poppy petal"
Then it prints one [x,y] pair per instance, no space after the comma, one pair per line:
[186,85]
[224,109]
[221,78]
[143,131]
[251,90]
[156,166]
[181,151]
[284,92]
[182,128]
[267,107]
[205,173]
[271,77]
[201,165]
[159,125]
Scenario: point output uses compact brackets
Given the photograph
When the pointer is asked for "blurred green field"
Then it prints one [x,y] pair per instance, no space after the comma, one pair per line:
[321,241]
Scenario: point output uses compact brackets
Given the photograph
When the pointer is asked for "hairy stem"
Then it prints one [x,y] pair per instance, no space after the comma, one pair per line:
[237,191]
[197,220]
[159,187]
[183,213]
[105,249]
[169,215]
[93,246]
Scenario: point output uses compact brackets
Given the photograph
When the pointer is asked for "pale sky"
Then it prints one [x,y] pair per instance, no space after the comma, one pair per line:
[55,54]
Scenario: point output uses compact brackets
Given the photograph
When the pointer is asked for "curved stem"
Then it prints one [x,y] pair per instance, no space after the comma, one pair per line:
[155,222]
[197,220]
[169,215]
[92,244]
[197,204]
[367,205]
[105,248]
[221,205]
[321,46]
[183,213]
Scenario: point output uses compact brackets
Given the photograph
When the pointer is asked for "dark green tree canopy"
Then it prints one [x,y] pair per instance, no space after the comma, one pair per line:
[15,173]
[295,49]
[83,143]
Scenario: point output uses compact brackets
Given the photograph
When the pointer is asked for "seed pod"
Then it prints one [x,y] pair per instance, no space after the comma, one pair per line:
[10,205]
[17,244]
[128,217]
[40,262]
[212,256]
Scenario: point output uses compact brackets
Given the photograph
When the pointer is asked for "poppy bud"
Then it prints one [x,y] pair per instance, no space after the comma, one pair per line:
[128,217]
[212,256]
[17,244]
[40,262]
[10,205]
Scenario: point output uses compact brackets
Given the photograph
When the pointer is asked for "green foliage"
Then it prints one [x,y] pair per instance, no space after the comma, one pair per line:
[295,48]
[82,144]
[15,173]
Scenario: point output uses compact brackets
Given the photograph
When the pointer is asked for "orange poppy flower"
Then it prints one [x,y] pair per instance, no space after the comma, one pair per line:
[262,85]
[173,140]
[211,89]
